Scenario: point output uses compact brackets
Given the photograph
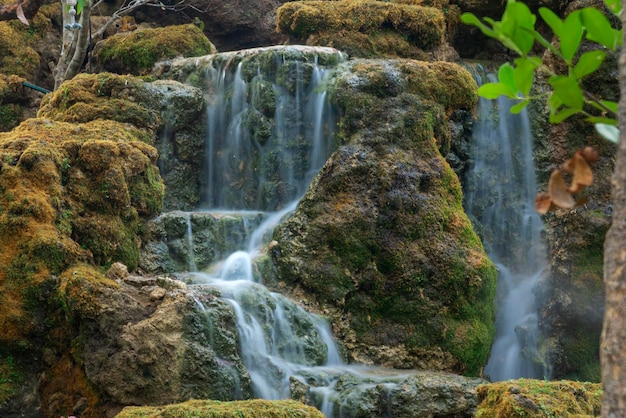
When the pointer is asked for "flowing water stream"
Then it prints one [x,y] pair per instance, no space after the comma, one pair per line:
[499,194]
[258,171]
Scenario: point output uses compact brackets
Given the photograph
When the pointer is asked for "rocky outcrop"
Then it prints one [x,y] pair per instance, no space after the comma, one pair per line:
[136,52]
[192,241]
[369,28]
[380,238]
[146,341]
[72,193]
[377,392]
[538,398]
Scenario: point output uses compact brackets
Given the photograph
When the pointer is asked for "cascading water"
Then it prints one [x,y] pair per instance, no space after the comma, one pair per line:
[266,168]
[499,192]
[269,131]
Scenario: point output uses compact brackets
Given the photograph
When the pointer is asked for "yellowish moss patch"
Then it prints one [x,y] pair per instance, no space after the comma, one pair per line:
[526,398]
[392,29]
[137,52]
[217,409]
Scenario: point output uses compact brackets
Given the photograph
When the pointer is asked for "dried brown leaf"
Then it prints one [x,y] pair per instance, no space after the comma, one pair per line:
[590,154]
[20,15]
[543,202]
[558,191]
[583,176]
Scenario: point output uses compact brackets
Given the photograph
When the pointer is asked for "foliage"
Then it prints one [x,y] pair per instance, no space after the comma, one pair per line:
[517,32]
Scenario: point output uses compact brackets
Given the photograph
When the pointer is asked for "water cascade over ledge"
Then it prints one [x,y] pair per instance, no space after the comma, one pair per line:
[500,190]
[270,128]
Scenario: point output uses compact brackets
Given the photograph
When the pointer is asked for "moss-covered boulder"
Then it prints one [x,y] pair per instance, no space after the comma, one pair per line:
[70,193]
[381,238]
[216,409]
[137,52]
[144,341]
[368,28]
[539,398]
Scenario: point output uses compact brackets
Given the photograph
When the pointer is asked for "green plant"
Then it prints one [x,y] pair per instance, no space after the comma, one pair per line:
[517,32]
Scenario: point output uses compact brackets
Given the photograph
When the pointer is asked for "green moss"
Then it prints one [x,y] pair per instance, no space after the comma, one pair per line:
[421,26]
[525,398]
[10,115]
[10,378]
[137,52]
[216,409]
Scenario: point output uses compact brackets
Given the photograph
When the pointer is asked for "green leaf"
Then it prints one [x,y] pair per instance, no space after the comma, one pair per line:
[614,6]
[599,29]
[517,108]
[606,121]
[555,23]
[568,91]
[554,103]
[571,36]
[495,90]
[80,4]
[608,132]
[471,19]
[558,117]
[588,63]
[524,73]
[506,76]
[518,25]
[611,105]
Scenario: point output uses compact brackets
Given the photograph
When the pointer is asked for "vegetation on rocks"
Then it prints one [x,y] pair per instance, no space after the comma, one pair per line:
[216,409]
[137,52]
[365,28]
[525,398]
[381,235]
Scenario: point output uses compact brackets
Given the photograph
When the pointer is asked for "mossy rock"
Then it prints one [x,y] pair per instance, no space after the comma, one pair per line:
[67,195]
[216,409]
[381,235]
[137,52]
[539,398]
[109,96]
[364,28]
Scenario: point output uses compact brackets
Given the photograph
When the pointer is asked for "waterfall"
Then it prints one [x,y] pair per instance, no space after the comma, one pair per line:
[269,131]
[253,164]
[499,197]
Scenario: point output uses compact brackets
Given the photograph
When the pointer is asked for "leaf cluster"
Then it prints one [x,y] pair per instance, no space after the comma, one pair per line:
[516,30]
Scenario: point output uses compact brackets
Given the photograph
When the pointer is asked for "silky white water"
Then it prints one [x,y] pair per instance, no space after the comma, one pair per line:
[499,196]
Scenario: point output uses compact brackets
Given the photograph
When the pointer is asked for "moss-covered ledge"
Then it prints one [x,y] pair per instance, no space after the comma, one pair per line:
[528,398]
[364,28]
[137,52]
[215,409]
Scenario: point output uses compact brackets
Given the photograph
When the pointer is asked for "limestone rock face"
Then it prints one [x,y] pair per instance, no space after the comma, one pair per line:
[378,392]
[139,349]
[381,238]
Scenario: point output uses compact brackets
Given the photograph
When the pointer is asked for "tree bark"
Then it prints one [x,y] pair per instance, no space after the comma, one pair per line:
[29,7]
[613,345]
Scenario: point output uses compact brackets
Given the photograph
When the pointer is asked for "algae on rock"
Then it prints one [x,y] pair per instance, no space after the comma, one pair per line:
[381,236]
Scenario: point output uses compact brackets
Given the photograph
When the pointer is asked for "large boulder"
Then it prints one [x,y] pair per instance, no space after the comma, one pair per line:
[71,193]
[368,28]
[381,238]
[136,52]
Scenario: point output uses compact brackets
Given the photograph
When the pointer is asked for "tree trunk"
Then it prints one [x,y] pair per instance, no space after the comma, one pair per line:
[613,346]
